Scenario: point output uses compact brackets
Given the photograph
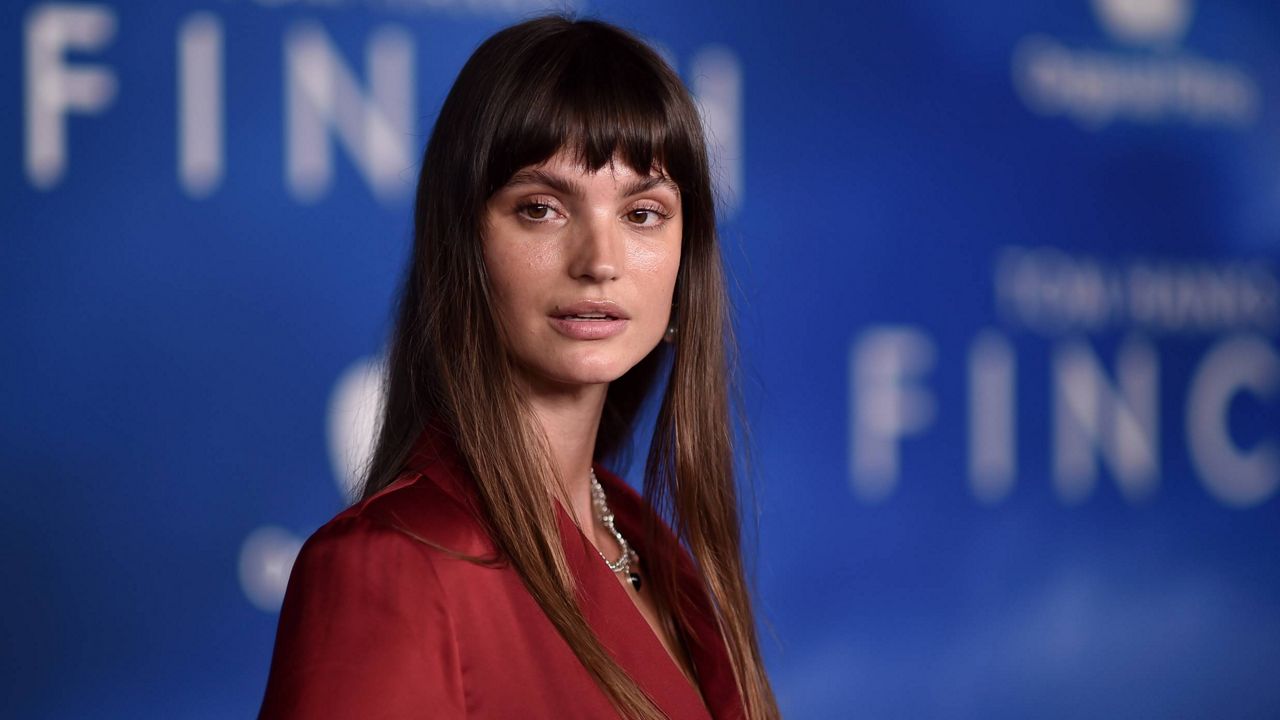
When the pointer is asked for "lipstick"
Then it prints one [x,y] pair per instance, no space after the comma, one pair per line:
[589,319]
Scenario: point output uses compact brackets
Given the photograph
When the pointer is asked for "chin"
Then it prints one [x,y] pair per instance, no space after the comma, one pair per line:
[590,375]
[586,363]
[593,371]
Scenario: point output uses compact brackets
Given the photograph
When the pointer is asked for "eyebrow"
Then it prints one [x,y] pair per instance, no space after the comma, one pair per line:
[569,186]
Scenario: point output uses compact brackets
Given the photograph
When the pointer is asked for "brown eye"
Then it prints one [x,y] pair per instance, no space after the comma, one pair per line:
[536,212]
[641,216]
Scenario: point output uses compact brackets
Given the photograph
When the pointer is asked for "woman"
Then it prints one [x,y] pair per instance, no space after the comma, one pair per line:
[565,267]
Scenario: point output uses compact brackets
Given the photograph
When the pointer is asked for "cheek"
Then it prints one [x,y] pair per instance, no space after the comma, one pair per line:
[655,267]
[650,259]
[535,255]
[516,266]
[658,260]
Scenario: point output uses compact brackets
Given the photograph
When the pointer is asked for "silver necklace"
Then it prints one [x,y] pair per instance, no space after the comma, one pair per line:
[622,564]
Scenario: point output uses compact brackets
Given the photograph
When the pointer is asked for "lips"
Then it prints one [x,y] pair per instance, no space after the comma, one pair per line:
[591,310]
[589,319]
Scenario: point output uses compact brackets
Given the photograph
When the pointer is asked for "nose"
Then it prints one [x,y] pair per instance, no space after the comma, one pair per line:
[597,255]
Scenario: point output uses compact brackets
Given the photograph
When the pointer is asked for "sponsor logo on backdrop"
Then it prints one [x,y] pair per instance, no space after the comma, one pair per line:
[1139,74]
[1103,401]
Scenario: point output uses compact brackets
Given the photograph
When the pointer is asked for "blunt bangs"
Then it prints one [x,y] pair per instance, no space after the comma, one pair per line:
[598,94]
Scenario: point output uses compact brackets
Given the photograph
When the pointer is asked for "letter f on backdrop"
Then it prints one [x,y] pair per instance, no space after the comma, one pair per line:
[54,88]
[887,404]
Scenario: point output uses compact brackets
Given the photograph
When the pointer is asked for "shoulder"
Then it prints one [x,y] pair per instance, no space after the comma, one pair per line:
[365,611]
[388,550]
[418,507]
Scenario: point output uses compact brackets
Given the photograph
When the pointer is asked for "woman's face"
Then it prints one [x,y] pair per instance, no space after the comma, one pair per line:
[583,266]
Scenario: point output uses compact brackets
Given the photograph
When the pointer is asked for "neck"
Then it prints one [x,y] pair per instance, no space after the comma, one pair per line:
[570,417]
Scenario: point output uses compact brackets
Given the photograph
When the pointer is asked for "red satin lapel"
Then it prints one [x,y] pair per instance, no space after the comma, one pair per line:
[622,628]
[707,649]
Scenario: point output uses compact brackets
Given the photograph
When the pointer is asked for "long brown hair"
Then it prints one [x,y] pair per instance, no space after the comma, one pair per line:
[598,91]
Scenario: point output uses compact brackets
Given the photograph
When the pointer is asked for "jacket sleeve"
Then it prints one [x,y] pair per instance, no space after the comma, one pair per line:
[364,631]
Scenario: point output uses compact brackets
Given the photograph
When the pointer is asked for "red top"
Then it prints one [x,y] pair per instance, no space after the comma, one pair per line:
[376,624]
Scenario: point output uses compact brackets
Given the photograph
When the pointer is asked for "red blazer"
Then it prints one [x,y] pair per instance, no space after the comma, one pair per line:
[378,625]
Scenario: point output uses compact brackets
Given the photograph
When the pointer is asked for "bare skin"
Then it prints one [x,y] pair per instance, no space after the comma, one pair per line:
[556,236]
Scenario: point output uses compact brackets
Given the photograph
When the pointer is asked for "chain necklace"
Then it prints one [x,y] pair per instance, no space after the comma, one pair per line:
[622,564]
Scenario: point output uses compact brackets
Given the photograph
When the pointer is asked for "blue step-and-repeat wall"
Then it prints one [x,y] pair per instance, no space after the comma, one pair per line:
[1007,286]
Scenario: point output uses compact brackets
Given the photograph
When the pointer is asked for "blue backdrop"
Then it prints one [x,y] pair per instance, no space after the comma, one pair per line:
[1007,289]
